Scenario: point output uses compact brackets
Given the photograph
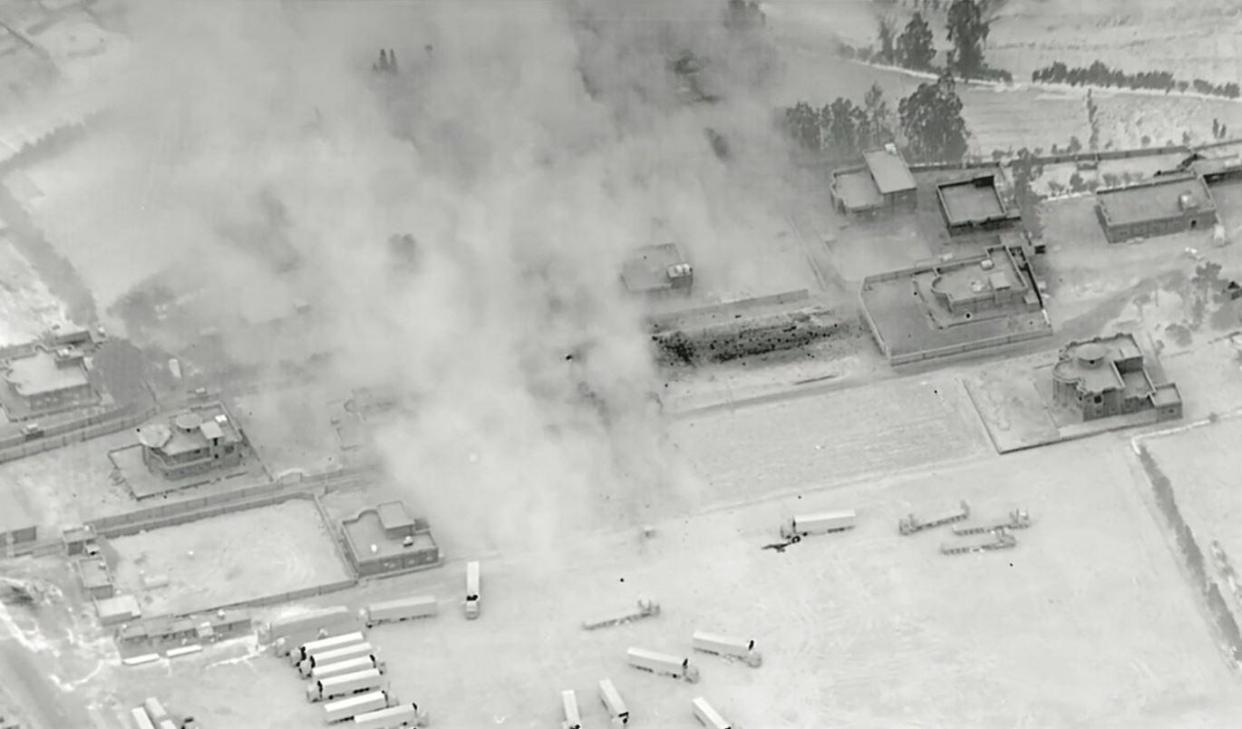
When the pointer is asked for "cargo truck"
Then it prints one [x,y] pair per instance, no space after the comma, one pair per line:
[822,523]
[140,719]
[707,715]
[394,611]
[618,712]
[344,685]
[324,625]
[316,647]
[569,707]
[471,605]
[345,709]
[349,665]
[313,620]
[732,648]
[155,710]
[307,667]
[645,608]
[397,716]
[662,664]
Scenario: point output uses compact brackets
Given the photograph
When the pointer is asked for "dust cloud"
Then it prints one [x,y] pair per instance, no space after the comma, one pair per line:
[526,147]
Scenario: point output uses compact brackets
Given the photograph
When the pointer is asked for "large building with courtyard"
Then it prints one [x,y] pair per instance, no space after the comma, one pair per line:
[193,442]
[1108,376]
[387,540]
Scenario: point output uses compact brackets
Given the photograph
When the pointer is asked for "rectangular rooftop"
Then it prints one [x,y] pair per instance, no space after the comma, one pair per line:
[1156,199]
[889,170]
[969,201]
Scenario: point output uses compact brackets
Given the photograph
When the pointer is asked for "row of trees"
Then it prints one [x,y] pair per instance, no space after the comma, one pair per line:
[1100,74]
[914,48]
[929,119]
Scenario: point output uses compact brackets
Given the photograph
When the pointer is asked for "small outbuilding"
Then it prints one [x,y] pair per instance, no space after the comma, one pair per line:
[882,182]
[1163,205]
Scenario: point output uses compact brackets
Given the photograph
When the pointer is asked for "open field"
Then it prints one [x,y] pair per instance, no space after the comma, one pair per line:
[827,438]
[888,623]
[1202,465]
[67,485]
[229,558]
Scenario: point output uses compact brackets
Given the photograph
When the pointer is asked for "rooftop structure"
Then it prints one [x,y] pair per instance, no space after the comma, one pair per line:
[954,305]
[1109,376]
[48,380]
[1213,164]
[1165,204]
[974,204]
[658,270]
[883,181]
[387,540]
[192,442]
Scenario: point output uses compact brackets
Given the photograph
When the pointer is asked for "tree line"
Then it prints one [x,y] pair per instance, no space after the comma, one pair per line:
[928,122]
[1100,74]
[914,48]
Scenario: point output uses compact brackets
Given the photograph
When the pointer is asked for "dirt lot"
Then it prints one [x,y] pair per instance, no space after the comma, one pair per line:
[68,485]
[228,558]
[885,621]
[290,429]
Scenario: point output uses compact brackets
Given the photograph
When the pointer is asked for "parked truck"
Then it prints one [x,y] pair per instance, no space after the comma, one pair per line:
[345,709]
[727,647]
[286,634]
[349,665]
[394,611]
[1000,539]
[911,524]
[618,712]
[1018,519]
[308,666]
[662,664]
[402,715]
[707,714]
[347,684]
[155,710]
[323,645]
[823,523]
[646,608]
[471,606]
[140,720]
[569,707]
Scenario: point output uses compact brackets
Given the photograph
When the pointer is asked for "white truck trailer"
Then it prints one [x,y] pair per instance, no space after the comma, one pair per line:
[397,716]
[823,523]
[316,647]
[394,611]
[618,712]
[727,647]
[285,634]
[662,664]
[138,716]
[471,605]
[569,707]
[344,685]
[707,715]
[345,709]
[349,665]
[308,666]
[155,710]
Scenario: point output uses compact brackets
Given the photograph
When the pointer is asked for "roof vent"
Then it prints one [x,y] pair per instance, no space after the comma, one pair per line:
[890,148]
[1187,201]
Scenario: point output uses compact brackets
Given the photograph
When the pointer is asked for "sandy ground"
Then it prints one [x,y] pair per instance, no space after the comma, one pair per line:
[27,308]
[225,559]
[865,629]
[290,428]
[67,485]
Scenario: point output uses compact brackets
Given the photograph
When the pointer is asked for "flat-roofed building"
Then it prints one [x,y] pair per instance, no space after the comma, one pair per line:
[882,182]
[193,442]
[975,204]
[46,381]
[387,540]
[1108,376]
[1163,205]
[658,270]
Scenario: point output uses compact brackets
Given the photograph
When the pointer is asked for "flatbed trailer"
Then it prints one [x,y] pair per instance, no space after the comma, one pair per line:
[912,524]
[1018,519]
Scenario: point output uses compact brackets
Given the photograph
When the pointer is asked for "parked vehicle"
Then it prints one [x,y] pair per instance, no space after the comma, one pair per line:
[707,715]
[727,647]
[1018,519]
[472,590]
[618,712]
[286,634]
[155,709]
[308,666]
[823,523]
[32,431]
[662,664]
[1000,539]
[393,717]
[912,524]
[140,719]
[345,685]
[349,665]
[392,611]
[345,709]
[315,647]
[646,608]
[569,707]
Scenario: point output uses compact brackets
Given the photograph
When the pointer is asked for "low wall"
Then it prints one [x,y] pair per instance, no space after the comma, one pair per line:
[728,307]
[75,431]
[989,343]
